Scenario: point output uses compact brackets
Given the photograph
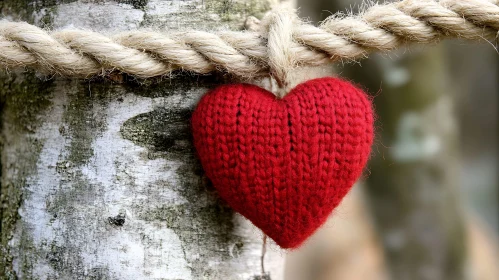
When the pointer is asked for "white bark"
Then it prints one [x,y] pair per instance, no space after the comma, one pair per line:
[100,181]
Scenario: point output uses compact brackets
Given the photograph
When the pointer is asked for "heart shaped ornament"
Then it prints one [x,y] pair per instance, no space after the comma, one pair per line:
[284,164]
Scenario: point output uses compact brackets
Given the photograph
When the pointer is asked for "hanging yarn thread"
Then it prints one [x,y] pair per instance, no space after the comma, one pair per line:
[284,42]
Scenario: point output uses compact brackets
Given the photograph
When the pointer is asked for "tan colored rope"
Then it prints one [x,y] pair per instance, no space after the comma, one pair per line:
[281,42]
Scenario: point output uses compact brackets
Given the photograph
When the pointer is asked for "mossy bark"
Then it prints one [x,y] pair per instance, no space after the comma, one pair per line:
[99,179]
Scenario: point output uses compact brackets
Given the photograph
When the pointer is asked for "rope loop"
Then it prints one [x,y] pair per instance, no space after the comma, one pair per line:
[277,27]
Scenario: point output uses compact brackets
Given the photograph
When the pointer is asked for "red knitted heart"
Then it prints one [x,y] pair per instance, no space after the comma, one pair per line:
[284,164]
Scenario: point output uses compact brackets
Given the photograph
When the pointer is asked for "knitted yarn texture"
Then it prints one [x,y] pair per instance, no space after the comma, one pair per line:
[280,43]
[284,164]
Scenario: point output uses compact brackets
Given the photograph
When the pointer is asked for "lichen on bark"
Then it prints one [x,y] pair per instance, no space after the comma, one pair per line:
[166,134]
[23,98]
[83,169]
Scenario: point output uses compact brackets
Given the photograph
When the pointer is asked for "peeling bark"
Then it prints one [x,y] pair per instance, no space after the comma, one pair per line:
[100,180]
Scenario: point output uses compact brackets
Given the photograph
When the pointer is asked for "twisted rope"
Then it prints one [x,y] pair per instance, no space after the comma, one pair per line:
[281,42]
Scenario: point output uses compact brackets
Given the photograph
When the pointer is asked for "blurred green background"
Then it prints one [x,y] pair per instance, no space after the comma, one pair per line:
[428,207]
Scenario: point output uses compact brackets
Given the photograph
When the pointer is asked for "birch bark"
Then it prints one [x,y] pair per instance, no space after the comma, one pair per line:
[99,179]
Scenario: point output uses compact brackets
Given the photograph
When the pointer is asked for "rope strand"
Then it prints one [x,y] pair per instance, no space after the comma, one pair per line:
[249,54]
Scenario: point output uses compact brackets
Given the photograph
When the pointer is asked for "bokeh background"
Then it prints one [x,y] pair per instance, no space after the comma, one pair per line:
[427,207]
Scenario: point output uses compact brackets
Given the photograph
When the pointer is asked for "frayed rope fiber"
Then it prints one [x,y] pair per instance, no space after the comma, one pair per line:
[284,164]
[283,41]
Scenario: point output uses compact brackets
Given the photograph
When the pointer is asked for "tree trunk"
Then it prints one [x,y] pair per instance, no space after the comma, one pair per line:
[99,179]
[412,183]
